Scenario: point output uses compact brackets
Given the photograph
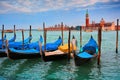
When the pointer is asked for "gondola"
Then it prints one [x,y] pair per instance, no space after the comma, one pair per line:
[3,50]
[60,53]
[4,38]
[52,46]
[54,55]
[23,54]
[11,40]
[2,41]
[19,45]
[30,51]
[12,44]
[89,51]
[33,50]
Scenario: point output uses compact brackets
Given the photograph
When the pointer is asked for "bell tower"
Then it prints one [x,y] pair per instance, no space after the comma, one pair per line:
[87,19]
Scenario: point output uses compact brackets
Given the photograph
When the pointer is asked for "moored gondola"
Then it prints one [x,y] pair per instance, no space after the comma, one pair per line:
[19,45]
[60,53]
[23,54]
[54,55]
[3,50]
[89,51]
[12,44]
[32,50]
[4,38]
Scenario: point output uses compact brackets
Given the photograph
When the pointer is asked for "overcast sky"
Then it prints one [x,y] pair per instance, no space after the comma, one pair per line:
[23,13]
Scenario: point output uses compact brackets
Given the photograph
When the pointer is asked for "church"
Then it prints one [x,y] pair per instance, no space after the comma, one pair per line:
[106,26]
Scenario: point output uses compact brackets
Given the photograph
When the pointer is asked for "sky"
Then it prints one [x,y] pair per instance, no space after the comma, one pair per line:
[24,13]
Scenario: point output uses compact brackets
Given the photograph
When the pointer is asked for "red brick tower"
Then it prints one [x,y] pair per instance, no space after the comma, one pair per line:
[87,18]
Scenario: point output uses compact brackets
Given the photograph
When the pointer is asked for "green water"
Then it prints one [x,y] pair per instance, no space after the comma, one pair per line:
[35,69]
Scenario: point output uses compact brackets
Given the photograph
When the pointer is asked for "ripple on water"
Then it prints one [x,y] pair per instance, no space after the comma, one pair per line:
[35,69]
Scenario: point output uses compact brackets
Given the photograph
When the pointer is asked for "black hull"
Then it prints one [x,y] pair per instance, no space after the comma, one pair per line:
[79,61]
[55,57]
[3,54]
[89,50]
[15,56]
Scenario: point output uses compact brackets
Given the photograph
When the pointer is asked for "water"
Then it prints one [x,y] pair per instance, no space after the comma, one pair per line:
[35,69]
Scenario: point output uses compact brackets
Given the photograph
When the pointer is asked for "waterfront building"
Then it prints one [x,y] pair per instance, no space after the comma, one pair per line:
[94,26]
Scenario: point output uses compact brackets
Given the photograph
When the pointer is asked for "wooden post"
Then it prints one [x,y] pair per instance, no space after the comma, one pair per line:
[40,45]
[43,28]
[23,38]
[69,44]
[117,36]
[30,33]
[2,35]
[62,31]
[99,44]
[80,38]
[44,37]
[7,51]
[14,32]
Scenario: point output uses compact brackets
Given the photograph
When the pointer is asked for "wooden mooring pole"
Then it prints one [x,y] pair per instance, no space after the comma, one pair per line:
[40,44]
[30,34]
[69,44]
[23,38]
[43,28]
[2,35]
[80,38]
[99,43]
[14,32]
[62,32]
[117,36]
[44,37]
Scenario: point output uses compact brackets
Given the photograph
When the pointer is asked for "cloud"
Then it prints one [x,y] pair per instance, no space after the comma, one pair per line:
[32,6]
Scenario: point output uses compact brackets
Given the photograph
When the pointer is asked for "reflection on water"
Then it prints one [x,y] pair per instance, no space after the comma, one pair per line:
[35,69]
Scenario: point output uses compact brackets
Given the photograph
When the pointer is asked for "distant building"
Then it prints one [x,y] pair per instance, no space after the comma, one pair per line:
[87,19]
[105,25]
[57,27]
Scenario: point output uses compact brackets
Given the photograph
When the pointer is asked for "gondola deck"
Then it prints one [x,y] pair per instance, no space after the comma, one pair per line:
[54,55]
[56,52]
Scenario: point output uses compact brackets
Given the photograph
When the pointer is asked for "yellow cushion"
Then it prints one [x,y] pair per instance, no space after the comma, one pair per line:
[64,48]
